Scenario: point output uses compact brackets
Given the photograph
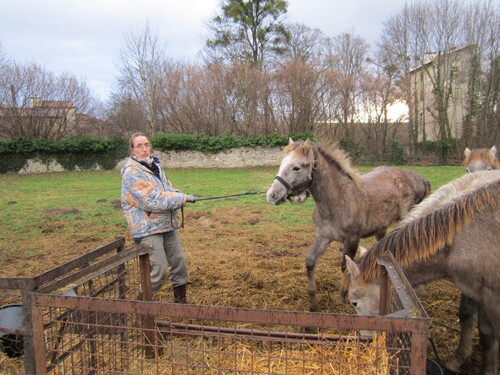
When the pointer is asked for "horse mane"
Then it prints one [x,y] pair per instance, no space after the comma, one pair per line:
[331,153]
[482,154]
[419,238]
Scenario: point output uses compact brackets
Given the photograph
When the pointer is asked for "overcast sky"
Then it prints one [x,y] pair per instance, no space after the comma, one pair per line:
[82,37]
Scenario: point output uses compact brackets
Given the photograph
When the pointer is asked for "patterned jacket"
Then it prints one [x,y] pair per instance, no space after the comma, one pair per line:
[150,204]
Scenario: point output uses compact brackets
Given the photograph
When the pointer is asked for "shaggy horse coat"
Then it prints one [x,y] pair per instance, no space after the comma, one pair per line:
[453,234]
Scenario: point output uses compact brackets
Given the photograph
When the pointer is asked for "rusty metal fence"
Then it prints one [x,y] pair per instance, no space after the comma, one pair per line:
[108,324]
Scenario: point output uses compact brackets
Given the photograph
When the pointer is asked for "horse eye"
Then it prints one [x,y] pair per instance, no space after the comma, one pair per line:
[296,168]
[489,168]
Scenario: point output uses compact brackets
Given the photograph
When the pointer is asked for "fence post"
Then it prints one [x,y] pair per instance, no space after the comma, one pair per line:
[148,322]
[28,343]
[34,343]
[384,286]
[418,352]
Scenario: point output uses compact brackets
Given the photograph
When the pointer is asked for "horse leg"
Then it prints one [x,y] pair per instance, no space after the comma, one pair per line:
[319,246]
[489,344]
[349,248]
[467,314]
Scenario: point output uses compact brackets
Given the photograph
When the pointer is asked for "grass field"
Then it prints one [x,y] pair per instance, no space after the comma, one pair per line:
[85,202]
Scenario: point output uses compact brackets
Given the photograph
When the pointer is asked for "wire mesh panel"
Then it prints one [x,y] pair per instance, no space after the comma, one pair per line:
[109,271]
[15,327]
[88,335]
[183,351]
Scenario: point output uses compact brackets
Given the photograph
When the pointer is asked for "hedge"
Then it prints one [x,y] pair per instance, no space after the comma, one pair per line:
[86,152]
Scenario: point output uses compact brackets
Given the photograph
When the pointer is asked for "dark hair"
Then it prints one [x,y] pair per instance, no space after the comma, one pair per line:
[134,136]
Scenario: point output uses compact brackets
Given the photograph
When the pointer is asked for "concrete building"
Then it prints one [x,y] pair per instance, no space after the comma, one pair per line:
[50,119]
[451,72]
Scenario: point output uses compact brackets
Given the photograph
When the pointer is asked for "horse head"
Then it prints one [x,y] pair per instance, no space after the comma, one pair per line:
[364,296]
[481,159]
[294,174]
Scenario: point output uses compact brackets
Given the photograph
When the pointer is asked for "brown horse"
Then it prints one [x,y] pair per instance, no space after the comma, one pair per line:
[481,159]
[452,234]
[475,160]
[348,205]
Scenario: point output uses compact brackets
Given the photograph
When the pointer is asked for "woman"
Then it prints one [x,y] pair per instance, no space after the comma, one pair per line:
[151,204]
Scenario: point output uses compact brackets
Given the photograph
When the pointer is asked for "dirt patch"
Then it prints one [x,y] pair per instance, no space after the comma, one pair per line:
[61,211]
[117,204]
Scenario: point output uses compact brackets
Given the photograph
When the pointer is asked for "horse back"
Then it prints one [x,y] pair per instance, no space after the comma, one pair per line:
[406,187]
[385,196]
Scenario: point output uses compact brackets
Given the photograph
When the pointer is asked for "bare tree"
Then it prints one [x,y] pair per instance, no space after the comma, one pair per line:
[304,43]
[298,95]
[127,114]
[482,28]
[35,103]
[378,94]
[141,63]
[297,77]
[347,60]
[3,58]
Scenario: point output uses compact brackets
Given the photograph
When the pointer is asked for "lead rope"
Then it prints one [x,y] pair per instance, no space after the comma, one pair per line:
[206,199]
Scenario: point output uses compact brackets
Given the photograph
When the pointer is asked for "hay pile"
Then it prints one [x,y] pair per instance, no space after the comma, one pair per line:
[350,356]
[353,357]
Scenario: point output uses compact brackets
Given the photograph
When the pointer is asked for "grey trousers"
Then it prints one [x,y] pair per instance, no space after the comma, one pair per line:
[167,251]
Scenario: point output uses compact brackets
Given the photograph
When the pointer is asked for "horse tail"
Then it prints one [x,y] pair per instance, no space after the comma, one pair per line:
[424,189]
[421,186]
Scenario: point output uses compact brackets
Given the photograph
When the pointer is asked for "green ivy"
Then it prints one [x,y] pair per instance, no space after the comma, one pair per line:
[396,152]
[214,144]
[351,147]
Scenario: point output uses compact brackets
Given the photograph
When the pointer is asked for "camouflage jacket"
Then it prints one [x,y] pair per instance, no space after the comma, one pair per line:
[150,204]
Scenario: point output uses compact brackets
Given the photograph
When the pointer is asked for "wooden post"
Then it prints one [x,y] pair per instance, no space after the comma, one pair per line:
[384,285]
[148,322]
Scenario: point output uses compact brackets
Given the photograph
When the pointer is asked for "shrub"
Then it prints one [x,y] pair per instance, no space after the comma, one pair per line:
[86,152]
[396,153]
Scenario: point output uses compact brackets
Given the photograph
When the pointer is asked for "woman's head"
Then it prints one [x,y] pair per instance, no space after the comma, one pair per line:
[140,146]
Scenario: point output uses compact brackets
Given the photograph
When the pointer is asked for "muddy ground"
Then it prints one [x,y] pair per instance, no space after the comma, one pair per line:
[238,257]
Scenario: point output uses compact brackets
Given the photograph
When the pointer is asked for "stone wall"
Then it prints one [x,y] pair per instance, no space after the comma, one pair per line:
[238,157]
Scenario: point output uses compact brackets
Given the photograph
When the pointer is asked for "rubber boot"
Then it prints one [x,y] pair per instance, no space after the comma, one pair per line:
[180,294]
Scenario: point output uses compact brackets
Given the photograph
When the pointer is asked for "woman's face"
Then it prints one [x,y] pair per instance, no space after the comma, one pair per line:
[141,148]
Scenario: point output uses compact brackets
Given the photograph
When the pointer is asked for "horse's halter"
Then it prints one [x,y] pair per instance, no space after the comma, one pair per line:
[296,190]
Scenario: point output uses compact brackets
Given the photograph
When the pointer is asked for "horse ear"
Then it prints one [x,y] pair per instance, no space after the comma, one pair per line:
[290,141]
[351,267]
[307,145]
[493,152]
[362,251]
[466,152]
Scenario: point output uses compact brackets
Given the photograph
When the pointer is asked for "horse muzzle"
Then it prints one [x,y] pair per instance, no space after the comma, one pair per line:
[274,197]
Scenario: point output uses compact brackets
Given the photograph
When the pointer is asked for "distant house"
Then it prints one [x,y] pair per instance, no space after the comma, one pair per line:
[50,119]
[453,70]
